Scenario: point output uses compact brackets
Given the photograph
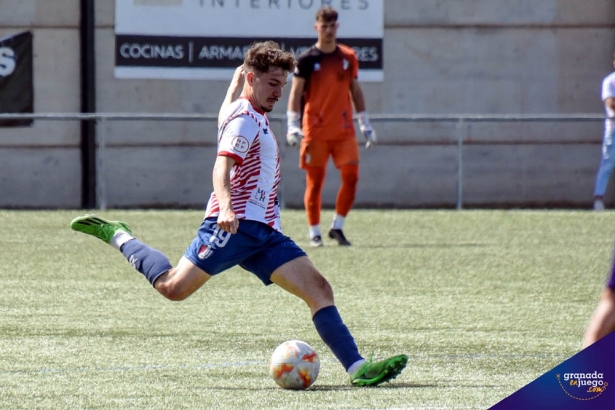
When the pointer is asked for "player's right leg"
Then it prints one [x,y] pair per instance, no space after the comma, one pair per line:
[606,168]
[182,281]
[603,320]
[313,158]
[174,283]
[314,181]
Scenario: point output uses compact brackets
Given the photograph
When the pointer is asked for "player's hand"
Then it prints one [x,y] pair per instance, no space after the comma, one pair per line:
[367,130]
[294,135]
[227,221]
[294,138]
[233,91]
[370,136]
[238,77]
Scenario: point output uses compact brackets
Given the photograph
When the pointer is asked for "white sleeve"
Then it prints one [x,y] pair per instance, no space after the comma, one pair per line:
[608,87]
[237,137]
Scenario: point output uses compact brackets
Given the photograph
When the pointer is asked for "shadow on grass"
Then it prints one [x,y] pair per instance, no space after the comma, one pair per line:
[386,386]
[322,388]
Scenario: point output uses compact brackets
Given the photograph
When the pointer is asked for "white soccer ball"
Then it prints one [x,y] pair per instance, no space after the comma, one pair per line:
[294,365]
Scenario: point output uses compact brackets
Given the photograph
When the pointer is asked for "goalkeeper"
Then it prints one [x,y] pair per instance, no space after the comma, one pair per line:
[325,85]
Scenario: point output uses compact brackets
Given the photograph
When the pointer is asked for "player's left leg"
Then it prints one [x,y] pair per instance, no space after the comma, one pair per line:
[301,278]
[603,320]
[282,262]
[345,199]
[346,158]
[606,168]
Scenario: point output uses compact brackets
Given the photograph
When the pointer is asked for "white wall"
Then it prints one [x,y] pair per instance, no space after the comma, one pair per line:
[449,56]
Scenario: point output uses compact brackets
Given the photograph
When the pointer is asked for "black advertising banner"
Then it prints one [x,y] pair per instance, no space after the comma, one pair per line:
[16,78]
[197,39]
[221,52]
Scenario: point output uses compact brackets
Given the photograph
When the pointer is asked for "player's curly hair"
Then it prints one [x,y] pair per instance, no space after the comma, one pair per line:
[262,56]
[326,14]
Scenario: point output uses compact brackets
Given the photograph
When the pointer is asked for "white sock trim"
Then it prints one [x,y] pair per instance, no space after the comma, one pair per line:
[314,230]
[120,239]
[338,221]
[355,366]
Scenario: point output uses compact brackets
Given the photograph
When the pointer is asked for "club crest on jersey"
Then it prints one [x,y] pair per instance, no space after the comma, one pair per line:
[316,66]
[345,64]
[260,198]
[204,252]
[240,144]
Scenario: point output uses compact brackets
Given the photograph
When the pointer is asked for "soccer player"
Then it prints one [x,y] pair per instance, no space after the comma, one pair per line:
[242,221]
[603,320]
[608,148]
[325,82]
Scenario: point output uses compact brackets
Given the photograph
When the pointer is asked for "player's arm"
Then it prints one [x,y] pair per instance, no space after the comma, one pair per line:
[610,102]
[227,220]
[234,89]
[356,94]
[293,116]
[358,100]
[296,91]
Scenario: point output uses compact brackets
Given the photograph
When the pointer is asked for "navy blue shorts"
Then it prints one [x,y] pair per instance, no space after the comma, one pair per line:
[256,247]
[611,281]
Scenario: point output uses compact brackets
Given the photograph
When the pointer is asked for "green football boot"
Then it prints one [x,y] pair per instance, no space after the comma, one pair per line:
[375,373]
[101,228]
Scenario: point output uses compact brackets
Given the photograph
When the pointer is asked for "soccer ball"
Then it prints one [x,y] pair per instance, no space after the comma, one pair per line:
[294,365]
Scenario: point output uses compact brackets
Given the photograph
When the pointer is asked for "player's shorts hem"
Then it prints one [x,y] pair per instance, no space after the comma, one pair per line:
[256,247]
[287,256]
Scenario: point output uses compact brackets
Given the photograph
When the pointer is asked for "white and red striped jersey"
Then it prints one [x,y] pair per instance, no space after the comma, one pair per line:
[245,136]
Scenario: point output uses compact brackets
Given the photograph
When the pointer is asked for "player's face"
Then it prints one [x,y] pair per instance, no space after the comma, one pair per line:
[327,30]
[268,87]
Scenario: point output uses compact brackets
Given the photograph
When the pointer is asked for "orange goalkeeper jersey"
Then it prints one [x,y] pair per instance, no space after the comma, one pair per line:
[327,107]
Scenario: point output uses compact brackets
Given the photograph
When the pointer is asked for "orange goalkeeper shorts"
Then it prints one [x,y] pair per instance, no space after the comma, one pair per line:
[316,153]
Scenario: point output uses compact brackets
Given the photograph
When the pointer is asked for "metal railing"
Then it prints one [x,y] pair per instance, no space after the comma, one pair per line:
[460,121]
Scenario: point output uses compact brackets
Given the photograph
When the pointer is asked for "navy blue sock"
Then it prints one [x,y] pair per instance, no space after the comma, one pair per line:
[150,262]
[336,335]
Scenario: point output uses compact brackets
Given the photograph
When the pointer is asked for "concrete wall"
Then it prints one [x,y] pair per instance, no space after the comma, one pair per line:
[441,57]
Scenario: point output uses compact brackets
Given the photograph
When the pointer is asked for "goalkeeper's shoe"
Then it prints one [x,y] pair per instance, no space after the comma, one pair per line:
[338,235]
[375,373]
[316,241]
[101,228]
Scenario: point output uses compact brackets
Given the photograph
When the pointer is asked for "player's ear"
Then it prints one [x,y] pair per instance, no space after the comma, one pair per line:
[250,77]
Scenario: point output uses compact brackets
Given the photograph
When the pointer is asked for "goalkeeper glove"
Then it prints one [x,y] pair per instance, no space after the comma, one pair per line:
[294,134]
[367,130]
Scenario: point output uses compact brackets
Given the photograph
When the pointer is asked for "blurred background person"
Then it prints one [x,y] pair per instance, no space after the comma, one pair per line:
[320,121]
